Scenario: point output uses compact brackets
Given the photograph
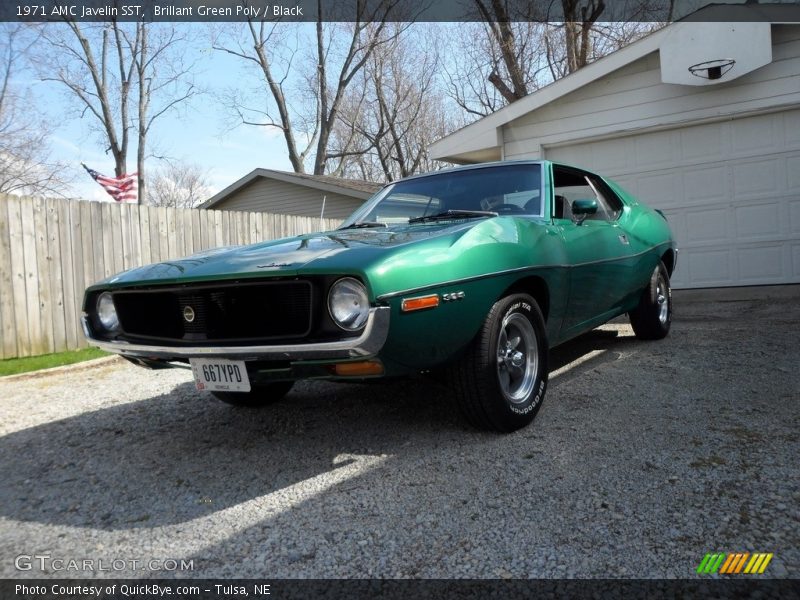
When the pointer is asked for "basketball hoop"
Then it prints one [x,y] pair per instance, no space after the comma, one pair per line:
[712,69]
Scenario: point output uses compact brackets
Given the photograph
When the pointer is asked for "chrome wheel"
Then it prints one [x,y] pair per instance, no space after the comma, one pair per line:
[652,317]
[662,300]
[500,382]
[517,358]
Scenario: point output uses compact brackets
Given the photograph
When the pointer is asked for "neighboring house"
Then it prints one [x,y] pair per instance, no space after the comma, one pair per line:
[265,190]
[720,156]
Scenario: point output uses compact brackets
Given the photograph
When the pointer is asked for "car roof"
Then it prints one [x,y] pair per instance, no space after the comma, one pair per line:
[486,165]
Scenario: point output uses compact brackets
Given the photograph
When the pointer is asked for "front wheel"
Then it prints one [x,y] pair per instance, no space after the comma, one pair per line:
[652,318]
[501,381]
[259,395]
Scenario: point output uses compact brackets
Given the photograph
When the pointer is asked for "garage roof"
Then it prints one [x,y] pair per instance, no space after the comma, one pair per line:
[356,188]
[482,140]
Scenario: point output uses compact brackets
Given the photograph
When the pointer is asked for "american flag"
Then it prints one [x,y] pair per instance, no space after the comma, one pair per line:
[121,189]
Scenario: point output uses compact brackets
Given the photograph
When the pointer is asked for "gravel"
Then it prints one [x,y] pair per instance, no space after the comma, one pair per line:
[644,456]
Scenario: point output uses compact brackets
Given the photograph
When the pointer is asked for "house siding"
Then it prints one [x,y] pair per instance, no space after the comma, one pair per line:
[633,99]
[269,195]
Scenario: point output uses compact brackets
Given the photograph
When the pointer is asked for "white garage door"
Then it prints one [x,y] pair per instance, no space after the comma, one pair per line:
[731,192]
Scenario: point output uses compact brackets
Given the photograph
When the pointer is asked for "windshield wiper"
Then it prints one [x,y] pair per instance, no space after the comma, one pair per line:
[364,224]
[454,214]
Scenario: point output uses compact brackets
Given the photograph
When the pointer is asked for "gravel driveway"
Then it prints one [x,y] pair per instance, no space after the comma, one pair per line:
[645,456]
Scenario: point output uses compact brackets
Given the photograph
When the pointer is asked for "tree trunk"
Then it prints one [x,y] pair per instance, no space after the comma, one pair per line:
[144,102]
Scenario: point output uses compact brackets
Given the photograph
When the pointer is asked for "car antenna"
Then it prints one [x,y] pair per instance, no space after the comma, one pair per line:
[322,212]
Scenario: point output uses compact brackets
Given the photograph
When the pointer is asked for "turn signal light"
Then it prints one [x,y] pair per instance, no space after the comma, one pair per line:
[411,304]
[359,369]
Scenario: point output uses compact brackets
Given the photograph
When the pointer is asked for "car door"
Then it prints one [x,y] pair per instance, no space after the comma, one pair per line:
[597,249]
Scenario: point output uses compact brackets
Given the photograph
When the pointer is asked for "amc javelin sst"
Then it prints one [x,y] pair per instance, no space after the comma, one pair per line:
[475,271]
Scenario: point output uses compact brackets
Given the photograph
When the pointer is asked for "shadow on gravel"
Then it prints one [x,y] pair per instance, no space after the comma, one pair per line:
[178,456]
[172,458]
[607,341]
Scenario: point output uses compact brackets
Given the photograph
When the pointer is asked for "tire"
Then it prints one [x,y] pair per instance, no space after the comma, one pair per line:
[258,396]
[499,385]
[652,318]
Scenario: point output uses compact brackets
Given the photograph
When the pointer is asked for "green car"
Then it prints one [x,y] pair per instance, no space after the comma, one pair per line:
[475,271]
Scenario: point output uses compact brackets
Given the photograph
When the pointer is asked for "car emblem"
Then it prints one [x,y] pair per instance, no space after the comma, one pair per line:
[188,314]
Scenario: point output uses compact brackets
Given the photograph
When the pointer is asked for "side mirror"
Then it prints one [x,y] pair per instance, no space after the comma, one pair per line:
[582,209]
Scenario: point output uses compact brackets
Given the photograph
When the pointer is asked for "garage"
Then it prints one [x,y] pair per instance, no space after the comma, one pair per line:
[717,152]
[731,192]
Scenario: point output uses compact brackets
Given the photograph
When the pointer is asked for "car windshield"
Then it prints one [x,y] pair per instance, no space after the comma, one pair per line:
[460,194]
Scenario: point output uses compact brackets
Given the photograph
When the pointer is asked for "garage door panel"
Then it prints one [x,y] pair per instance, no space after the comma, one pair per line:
[708,267]
[756,179]
[760,264]
[582,154]
[678,279]
[758,220]
[701,142]
[791,129]
[705,186]
[793,172]
[794,216]
[754,134]
[662,189]
[613,155]
[707,226]
[796,260]
[730,190]
[656,149]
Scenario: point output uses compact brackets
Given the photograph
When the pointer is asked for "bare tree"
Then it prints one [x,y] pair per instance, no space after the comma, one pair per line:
[392,113]
[579,18]
[480,79]
[569,48]
[178,184]
[306,113]
[25,165]
[124,76]
[510,49]
[519,49]
[165,81]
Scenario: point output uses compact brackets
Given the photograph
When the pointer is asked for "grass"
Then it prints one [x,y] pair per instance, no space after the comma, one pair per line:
[12,366]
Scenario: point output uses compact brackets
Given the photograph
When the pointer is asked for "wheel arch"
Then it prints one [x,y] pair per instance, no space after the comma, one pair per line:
[537,288]
[668,258]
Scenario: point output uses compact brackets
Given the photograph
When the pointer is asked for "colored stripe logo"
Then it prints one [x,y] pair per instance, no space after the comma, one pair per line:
[734,563]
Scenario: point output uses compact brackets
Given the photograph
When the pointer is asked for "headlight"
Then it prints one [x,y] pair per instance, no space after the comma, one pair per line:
[348,304]
[106,312]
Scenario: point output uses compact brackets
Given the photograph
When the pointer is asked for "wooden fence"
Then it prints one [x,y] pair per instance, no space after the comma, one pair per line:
[51,250]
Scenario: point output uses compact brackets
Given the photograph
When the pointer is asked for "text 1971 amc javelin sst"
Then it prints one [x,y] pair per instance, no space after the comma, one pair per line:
[479,270]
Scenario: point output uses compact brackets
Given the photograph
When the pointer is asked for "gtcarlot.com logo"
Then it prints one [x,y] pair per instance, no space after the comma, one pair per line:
[46,562]
[734,563]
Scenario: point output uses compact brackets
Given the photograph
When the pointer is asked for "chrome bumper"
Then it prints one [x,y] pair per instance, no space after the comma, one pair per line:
[367,344]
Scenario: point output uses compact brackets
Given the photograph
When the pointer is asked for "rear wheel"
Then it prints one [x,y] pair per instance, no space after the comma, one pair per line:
[652,318]
[259,395]
[501,381]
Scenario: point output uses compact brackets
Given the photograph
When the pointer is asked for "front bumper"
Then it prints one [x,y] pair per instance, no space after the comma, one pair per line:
[367,344]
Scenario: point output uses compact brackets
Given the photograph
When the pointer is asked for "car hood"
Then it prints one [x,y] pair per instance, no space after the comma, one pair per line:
[335,251]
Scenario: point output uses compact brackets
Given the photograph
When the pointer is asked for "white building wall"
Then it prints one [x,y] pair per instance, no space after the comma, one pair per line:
[634,98]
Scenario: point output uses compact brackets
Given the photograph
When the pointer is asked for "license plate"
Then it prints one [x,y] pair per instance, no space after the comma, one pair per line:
[220,375]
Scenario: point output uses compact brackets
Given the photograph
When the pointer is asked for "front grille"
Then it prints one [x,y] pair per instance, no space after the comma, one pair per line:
[221,313]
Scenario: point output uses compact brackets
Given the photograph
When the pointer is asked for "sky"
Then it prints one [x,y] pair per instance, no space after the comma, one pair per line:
[199,132]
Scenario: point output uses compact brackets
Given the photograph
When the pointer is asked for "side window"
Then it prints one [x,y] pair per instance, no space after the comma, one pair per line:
[609,206]
[570,185]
